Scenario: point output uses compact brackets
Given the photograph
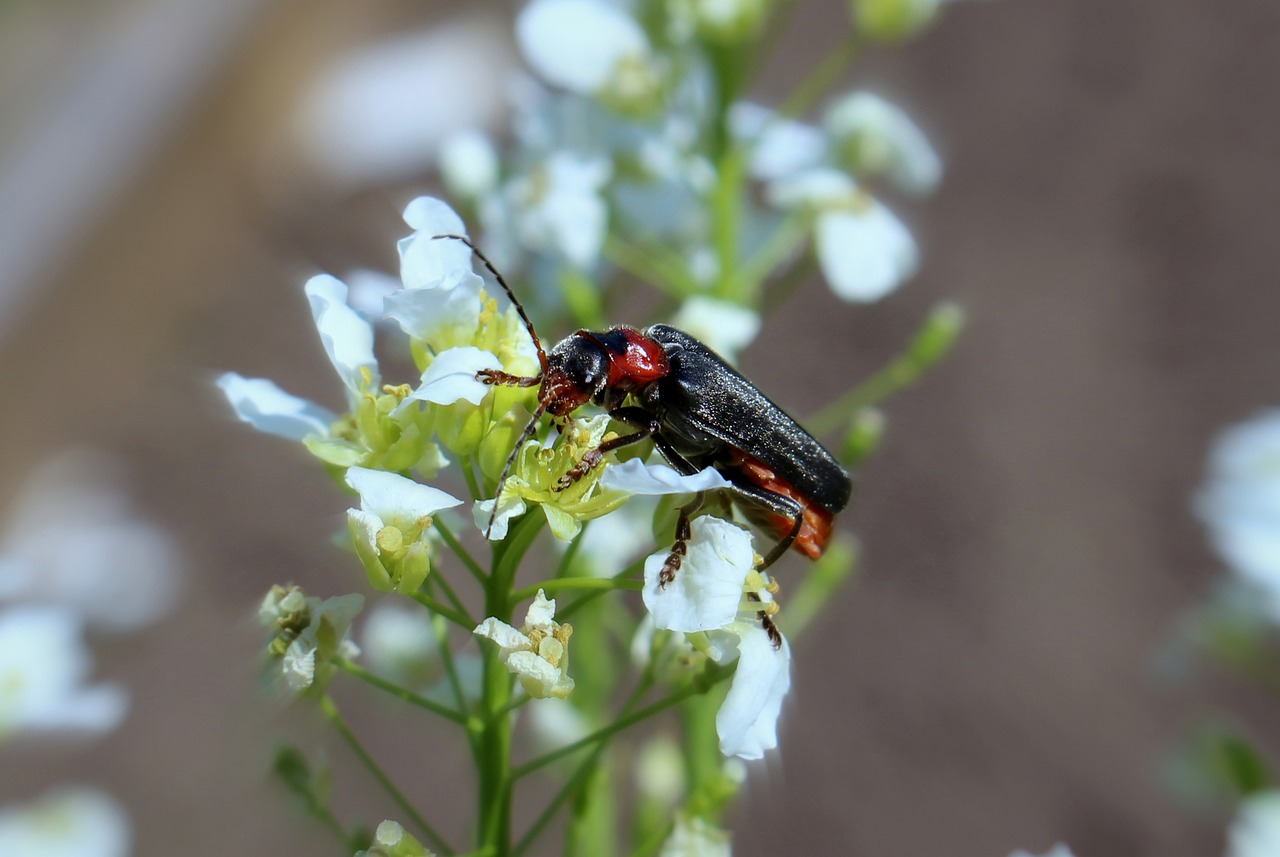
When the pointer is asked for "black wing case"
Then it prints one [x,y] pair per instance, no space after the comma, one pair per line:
[703,395]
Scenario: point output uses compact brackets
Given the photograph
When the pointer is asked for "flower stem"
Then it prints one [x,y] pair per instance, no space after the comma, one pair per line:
[571,553]
[629,572]
[462,620]
[607,584]
[400,692]
[439,580]
[331,711]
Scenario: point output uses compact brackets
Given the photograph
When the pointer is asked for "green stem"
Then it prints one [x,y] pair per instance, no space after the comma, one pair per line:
[508,554]
[629,572]
[455,681]
[400,692]
[462,620]
[656,266]
[571,553]
[821,79]
[713,676]
[439,580]
[331,711]
[469,473]
[461,552]
[607,584]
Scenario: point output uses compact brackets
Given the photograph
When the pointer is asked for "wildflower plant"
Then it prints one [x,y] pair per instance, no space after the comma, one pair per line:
[635,158]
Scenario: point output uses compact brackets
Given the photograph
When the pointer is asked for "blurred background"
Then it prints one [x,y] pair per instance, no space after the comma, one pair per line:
[172,170]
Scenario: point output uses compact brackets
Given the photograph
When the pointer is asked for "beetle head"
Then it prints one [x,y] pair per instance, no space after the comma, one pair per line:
[577,371]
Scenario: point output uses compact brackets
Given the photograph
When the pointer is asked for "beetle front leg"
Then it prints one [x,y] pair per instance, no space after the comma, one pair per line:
[680,549]
[498,378]
[632,416]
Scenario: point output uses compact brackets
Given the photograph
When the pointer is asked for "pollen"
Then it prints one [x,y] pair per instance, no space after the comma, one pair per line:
[400,391]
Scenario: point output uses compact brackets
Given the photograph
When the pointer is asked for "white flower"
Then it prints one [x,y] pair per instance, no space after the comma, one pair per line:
[390,528]
[747,721]
[707,590]
[865,253]
[583,46]
[1256,829]
[469,164]
[75,540]
[557,723]
[43,665]
[1240,503]
[381,114]
[308,633]
[368,290]
[560,207]
[451,377]
[69,822]
[400,644]
[1058,850]
[269,409]
[347,337]
[877,138]
[724,327]
[695,837]
[538,653]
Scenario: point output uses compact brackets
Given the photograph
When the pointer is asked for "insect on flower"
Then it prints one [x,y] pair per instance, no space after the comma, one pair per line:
[699,412]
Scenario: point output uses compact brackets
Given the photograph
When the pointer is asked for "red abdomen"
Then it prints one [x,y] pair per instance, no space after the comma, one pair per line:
[816,523]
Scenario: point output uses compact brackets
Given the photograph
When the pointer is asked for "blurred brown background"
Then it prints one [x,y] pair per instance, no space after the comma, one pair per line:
[1107,221]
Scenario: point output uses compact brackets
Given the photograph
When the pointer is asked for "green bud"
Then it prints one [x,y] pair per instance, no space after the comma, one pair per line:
[729,21]
[937,336]
[866,430]
[892,20]
[391,840]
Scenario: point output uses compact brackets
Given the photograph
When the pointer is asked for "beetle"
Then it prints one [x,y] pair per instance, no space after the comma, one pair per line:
[698,411]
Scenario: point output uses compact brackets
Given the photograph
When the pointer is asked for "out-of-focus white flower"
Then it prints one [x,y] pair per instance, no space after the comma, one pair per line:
[392,840]
[426,262]
[707,591]
[1256,829]
[75,540]
[43,665]
[1240,503]
[660,770]
[724,327]
[390,528]
[584,46]
[560,208]
[612,541]
[695,837]
[779,147]
[864,253]
[383,113]
[537,654]
[399,644]
[469,164]
[1058,850]
[68,822]
[368,290]
[557,723]
[874,137]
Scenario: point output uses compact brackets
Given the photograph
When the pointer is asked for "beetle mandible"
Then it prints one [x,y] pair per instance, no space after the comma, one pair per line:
[699,412]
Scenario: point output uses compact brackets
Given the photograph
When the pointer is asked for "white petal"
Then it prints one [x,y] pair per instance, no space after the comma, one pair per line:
[392,497]
[1256,829]
[513,506]
[542,612]
[635,477]
[347,337]
[469,164]
[723,327]
[578,44]
[425,260]
[889,140]
[269,409]
[368,290]
[864,254]
[707,589]
[747,721]
[508,638]
[779,147]
[69,822]
[538,677]
[425,313]
[451,377]
[365,526]
[816,188]
[299,665]
[694,837]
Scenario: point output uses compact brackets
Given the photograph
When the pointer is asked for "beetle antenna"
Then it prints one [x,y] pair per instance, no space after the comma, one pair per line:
[511,459]
[537,343]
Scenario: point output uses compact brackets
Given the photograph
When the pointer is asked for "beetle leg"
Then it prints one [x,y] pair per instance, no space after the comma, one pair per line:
[766,622]
[640,418]
[681,547]
[498,378]
[779,504]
